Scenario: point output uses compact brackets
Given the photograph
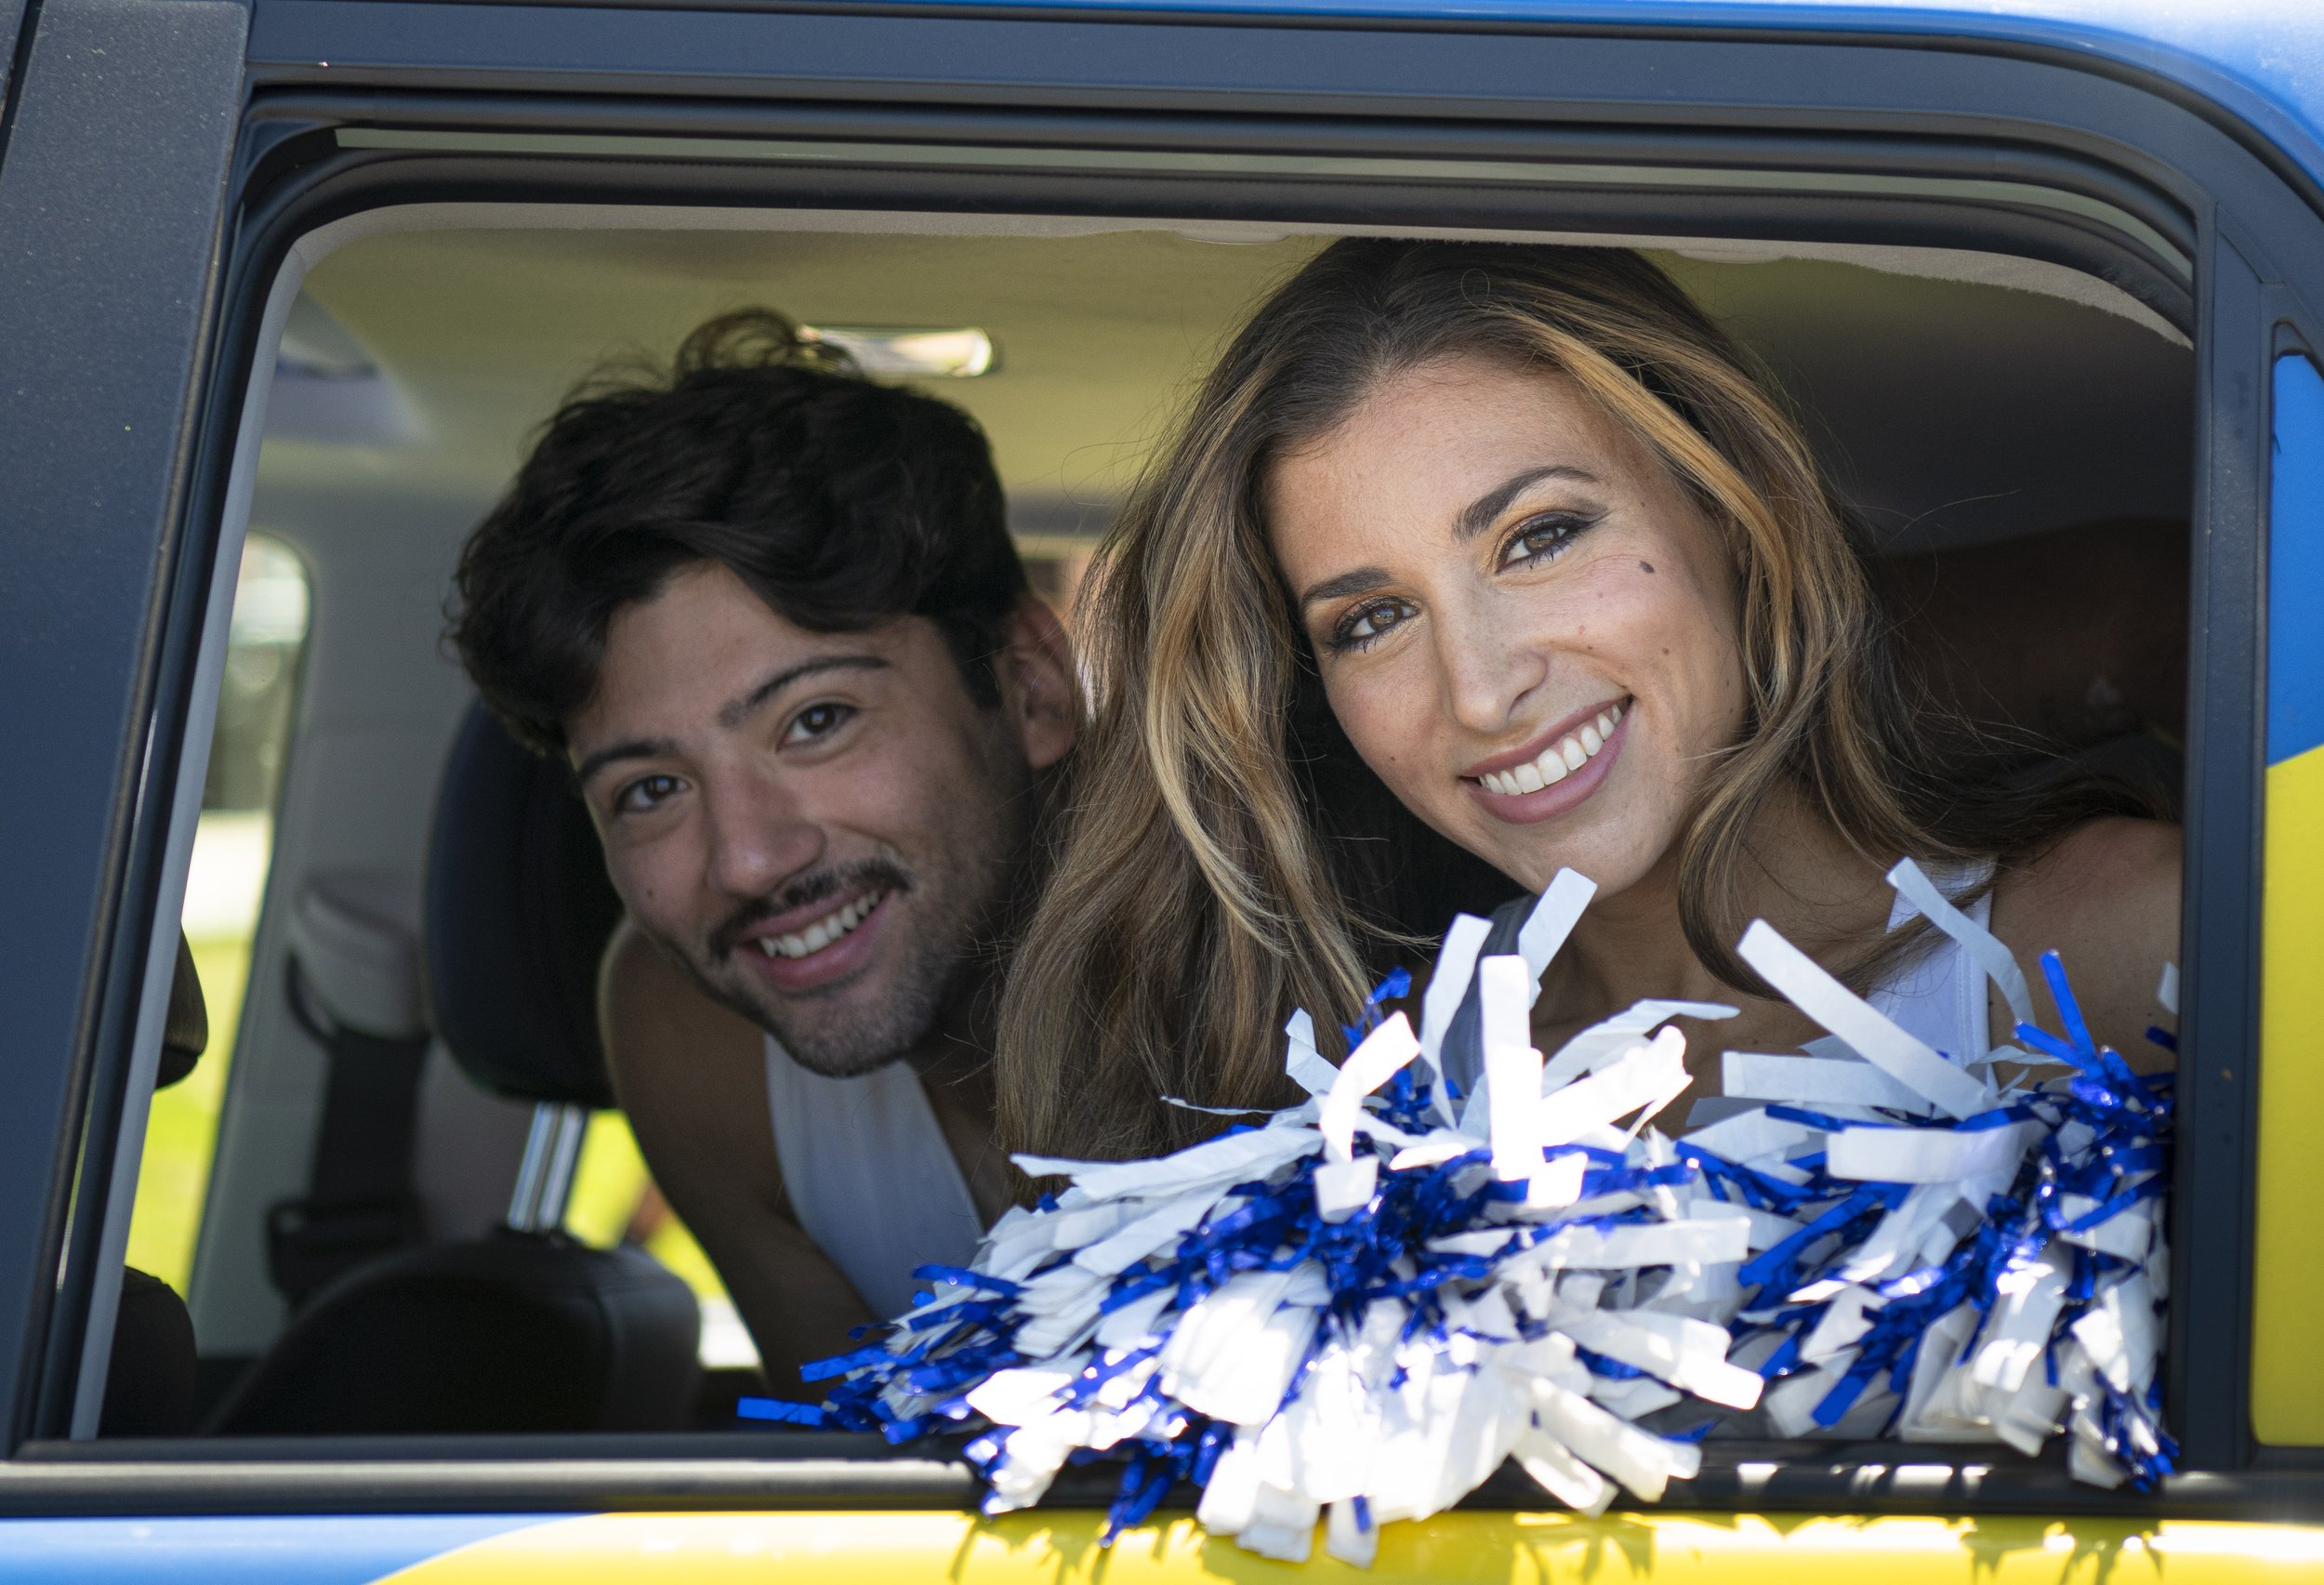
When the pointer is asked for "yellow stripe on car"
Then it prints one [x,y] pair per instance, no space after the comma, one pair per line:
[2288,1263]
[1062,1548]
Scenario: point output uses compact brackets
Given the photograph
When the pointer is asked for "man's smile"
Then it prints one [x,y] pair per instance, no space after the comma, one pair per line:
[813,947]
[826,930]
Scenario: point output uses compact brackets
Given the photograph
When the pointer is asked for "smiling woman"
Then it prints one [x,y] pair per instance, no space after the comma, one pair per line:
[1573,588]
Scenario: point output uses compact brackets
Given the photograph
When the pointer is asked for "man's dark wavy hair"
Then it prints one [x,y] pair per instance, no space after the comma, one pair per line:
[840,502]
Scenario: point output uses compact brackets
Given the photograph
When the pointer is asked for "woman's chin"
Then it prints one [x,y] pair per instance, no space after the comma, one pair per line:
[1615,854]
[1613,872]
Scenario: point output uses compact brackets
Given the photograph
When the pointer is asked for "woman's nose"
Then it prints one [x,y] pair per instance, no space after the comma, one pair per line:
[1487,669]
[757,840]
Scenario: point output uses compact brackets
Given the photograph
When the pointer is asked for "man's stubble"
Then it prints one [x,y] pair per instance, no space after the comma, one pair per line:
[967,897]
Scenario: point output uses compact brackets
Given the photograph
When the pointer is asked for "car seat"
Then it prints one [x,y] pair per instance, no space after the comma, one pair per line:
[525,1330]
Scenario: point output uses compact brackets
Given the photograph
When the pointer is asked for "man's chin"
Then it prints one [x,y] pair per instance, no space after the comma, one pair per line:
[844,1029]
[843,1047]
[845,1059]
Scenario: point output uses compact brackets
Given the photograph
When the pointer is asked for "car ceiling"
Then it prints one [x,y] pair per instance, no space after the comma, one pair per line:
[1953,411]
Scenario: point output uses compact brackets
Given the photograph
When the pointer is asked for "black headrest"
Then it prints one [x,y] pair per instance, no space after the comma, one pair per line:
[186,1030]
[516,913]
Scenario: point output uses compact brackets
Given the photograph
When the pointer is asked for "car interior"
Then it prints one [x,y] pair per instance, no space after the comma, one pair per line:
[415,1065]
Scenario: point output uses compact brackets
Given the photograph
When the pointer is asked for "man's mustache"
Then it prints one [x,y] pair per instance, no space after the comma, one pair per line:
[801,891]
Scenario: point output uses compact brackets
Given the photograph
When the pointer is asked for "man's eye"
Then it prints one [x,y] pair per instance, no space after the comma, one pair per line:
[1368,624]
[645,793]
[817,721]
[1543,538]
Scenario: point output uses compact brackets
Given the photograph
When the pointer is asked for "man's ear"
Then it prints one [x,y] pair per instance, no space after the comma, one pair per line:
[1039,689]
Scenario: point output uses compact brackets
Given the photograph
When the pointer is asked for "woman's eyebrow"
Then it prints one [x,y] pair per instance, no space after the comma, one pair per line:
[1355,582]
[1478,515]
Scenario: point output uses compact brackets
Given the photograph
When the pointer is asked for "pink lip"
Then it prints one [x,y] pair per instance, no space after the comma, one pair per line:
[1531,809]
[1532,751]
[841,959]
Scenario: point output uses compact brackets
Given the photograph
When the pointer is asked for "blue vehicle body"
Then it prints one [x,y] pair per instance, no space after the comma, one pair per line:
[2252,67]
[2259,62]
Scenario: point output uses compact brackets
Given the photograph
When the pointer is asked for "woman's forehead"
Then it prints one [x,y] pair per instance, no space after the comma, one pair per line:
[1444,436]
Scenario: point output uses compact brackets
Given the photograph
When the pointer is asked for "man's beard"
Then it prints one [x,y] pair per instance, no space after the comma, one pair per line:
[936,974]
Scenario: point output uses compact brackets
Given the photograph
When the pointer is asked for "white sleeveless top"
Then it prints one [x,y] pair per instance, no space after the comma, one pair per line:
[870,1176]
[1943,997]
[1940,996]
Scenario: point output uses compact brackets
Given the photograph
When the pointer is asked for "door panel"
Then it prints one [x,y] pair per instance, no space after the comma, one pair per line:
[109,204]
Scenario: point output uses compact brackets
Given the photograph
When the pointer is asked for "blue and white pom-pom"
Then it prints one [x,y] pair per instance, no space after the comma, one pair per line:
[1359,1308]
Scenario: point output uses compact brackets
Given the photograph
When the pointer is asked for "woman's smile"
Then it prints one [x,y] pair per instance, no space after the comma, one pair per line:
[1556,771]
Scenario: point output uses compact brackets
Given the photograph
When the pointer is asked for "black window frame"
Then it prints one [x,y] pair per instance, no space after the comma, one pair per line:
[455,82]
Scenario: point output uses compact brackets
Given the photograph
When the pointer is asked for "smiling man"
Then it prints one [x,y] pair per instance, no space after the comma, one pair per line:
[770,613]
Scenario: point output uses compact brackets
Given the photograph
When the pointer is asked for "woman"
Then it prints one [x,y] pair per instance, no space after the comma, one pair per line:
[1577,594]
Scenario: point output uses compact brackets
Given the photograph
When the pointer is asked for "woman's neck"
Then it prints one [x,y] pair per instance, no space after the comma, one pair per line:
[1797,873]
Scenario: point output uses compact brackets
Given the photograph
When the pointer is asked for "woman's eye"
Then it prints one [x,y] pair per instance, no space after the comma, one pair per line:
[645,794]
[1542,538]
[817,721]
[1366,624]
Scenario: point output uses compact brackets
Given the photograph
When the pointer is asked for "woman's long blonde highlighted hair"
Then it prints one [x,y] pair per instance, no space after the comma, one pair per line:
[1201,881]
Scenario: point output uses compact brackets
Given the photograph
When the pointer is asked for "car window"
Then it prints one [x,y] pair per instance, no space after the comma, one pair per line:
[416,365]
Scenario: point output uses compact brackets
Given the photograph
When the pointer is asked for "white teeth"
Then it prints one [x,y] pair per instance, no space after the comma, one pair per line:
[1563,758]
[823,932]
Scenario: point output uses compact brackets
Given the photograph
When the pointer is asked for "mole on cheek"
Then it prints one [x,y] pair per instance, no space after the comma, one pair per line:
[1645,566]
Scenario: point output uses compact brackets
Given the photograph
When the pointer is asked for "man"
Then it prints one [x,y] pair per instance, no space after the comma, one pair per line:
[771,614]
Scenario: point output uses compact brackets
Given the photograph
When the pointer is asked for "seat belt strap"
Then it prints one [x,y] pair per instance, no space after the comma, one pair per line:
[359,1203]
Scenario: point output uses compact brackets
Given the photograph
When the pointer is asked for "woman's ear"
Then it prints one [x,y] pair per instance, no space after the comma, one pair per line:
[1039,687]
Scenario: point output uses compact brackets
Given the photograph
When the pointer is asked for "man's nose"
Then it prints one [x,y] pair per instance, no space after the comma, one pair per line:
[758,839]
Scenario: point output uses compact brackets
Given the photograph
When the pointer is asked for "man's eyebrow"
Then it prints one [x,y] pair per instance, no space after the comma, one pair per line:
[1478,515]
[736,711]
[1355,582]
[732,714]
[636,748]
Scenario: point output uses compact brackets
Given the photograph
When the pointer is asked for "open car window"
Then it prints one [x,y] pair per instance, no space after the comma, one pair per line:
[2001,425]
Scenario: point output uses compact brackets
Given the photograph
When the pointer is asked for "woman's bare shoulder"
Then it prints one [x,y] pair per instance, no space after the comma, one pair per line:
[2105,897]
